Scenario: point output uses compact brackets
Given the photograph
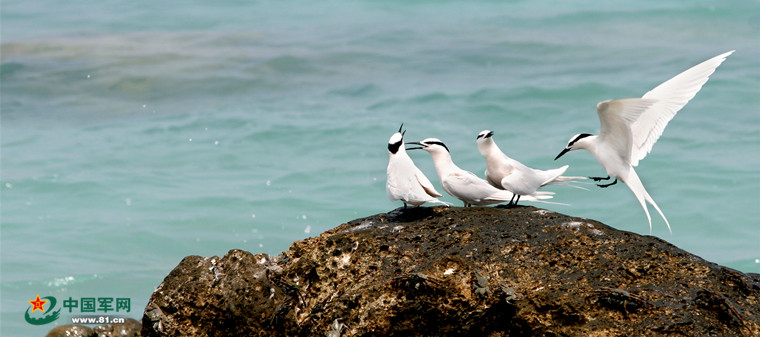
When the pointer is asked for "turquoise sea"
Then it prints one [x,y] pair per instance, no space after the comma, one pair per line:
[135,133]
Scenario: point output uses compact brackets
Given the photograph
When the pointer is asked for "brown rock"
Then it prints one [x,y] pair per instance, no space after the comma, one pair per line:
[130,328]
[459,272]
[70,330]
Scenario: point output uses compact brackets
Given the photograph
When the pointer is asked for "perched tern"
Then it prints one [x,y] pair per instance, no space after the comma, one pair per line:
[631,126]
[461,184]
[508,174]
[405,181]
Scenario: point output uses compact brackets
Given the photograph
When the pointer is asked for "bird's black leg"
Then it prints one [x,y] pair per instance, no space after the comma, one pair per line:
[607,185]
[512,200]
[600,178]
[404,205]
[518,200]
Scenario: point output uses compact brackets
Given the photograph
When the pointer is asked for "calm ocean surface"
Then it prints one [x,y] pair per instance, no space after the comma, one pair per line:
[137,133]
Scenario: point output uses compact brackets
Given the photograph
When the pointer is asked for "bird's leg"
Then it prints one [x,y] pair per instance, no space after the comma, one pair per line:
[600,178]
[404,205]
[518,200]
[607,185]
[512,200]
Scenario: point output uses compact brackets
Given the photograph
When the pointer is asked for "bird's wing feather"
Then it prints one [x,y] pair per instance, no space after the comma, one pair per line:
[671,96]
[616,117]
[522,182]
[468,186]
[426,184]
[551,176]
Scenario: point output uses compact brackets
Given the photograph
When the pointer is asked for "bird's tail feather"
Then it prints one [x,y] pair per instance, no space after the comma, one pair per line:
[549,176]
[570,182]
[538,195]
[564,179]
[555,177]
[550,202]
[435,200]
[542,196]
[634,183]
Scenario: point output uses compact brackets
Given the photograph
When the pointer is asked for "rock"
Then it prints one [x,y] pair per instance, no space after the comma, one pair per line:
[459,272]
[70,330]
[130,328]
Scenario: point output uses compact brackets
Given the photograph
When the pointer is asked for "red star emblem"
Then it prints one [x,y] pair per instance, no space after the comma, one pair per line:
[37,304]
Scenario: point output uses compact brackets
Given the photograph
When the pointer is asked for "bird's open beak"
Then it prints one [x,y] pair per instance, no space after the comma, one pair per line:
[414,143]
[561,153]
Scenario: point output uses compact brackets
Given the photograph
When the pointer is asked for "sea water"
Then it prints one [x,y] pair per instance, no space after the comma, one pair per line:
[137,133]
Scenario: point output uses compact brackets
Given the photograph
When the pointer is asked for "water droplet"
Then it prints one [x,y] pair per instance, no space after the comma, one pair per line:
[269,182]
[216,142]
[303,216]
[88,76]
[190,139]
[8,185]
[261,245]
[307,230]
[128,201]
[757,260]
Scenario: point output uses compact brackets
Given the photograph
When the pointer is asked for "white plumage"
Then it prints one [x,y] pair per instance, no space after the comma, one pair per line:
[461,184]
[405,181]
[631,126]
[509,174]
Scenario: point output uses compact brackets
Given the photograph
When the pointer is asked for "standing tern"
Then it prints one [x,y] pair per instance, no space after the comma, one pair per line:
[405,181]
[508,174]
[631,126]
[461,184]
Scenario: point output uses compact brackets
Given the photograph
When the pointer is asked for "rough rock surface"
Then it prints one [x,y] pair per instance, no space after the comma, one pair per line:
[130,328]
[459,272]
[70,330]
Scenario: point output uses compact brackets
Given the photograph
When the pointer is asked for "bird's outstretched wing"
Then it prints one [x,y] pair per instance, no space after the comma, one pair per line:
[670,97]
[616,118]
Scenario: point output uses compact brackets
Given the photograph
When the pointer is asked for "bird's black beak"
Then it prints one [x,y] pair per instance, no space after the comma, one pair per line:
[561,153]
[414,143]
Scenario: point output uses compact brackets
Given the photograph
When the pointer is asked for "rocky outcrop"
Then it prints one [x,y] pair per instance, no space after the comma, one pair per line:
[459,272]
[130,328]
